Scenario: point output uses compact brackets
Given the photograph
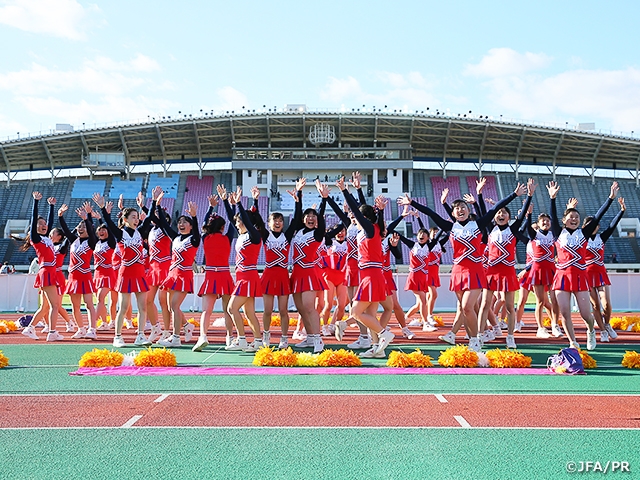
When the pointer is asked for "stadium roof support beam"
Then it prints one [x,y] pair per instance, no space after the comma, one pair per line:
[269,135]
[50,157]
[195,133]
[593,161]
[444,151]
[126,153]
[375,133]
[520,143]
[164,152]
[638,172]
[85,147]
[484,142]
[7,163]
[304,131]
[339,131]
[555,155]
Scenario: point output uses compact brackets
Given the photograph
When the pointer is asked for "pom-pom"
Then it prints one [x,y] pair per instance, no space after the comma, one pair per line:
[616,323]
[483,361]
[339,358]
[306,359]
[134,322]
[415,359]
[263,357]
[3,328]
[4,361]
[284,358]
[101,358]
[507,359]
[631,359]
[439,321]
[458,356]
[587,360]
[129,359]
[546,322]
[9,325]
[155,357]
[194,322]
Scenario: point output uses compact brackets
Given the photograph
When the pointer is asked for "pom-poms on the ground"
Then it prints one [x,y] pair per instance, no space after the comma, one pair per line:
[276,321]
[507,358]
[458,356]
[149,357]
[101,358]
[4,361]
[631,359]
[415,359]
[588,362]
[269,357]
[463,356]
[7,326]
[626,323]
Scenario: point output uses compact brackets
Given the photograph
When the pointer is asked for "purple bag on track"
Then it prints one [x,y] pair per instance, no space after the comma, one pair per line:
[568,361]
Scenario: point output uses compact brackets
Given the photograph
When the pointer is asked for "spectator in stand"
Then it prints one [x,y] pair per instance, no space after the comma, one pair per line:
[6,269]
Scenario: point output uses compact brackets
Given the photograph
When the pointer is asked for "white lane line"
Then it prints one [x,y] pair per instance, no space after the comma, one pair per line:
[131,421]
[161,398]
[441,398]
[461,420]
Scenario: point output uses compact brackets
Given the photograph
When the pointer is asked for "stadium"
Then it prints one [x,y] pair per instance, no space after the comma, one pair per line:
[249,410]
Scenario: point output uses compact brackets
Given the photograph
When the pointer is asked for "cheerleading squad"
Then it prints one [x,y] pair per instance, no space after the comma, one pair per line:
[347,266]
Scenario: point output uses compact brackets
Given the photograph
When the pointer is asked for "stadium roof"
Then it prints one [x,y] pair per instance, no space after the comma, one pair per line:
[430,137]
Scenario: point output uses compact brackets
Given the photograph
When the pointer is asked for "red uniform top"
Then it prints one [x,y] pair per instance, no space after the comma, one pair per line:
[102,257]
[80,257]
[116,258]
[46,253]
[276,251]
[217,249]
[305,249]
[435,255]
[183,254]
[133,254]
[572,250]
[542,248]
[246,253]
[502,248]
[594,254]
[159,247]
[337,255]
[370,250]
[419,258]
[466,241]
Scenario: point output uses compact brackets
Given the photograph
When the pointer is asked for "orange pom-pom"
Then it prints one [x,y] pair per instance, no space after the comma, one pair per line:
[439,321]
[631,359]
[587,360]
[194,322]
[458,356]
[263,357]
[339,358]
[284,358]
[3,328]
[4,361]
[414,359]
[101,358]
[508,359]
[155,357]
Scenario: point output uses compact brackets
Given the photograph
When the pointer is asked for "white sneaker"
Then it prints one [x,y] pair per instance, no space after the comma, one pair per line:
[82,331]
[228,340]
[142,341]
[172,341]
[341,326]
[575,345]
[556,331]
[449,338]
[511,342]
[332,329]
[502,324]
[188,331]
[429,328]
[91,334]
[543,333]
[266,338]
[486,338]
[362,343]
[307,342]
[591,340]
[489,334]
[156,333]
[45,329]
[165,334]
[298,335]
[612,333]
[431,321]
[128,324]
[318,344]
[325,330]
[71,327]
[30,332]
[284,343]
[407,333]
[384,339]
[518,326]
[497,331]
[480,339]
[118,341]
[54,336]
[253,346]
[604,336]
[373,353]
[201,344]
[474,344]
[415,323]
[104,326]
[147,326]
[237,344]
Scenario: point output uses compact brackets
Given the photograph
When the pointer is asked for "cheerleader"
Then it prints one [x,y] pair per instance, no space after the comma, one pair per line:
[501,261]
[217,279]
[333,274]
[80,283]
[131,274]
[373,287]
[571,270]
[248,286]
[184,246]
[306,280]
[46,279]
[159,262]
[104,278]
[437,242]
[275,277]
[598,278]
[467,275]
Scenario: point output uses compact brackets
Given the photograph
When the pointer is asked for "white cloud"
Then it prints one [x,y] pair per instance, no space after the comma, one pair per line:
[59,18]
[230,99]
[500,62]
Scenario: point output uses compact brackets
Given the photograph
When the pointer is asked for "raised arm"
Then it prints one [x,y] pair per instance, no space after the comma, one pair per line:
[588,230]
[437,219]
[366,224]
[485,220]
[52,202]
[553,188]
[63,224]
[85,214]
[614,223]
[254,234]
[106,214]
[34,235]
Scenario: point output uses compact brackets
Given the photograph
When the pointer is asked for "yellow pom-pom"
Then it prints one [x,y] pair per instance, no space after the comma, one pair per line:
[134,322]
[616,323]
[339,358]
[4,361]
[10,325]
[264,357]
[419,359]
[414,359]
[284,358]
[3,328]
[275,320]
[458,356]
[439,321]
[587,360]
[194,322]
[306,359]
[508,359]
[155,357]
[398,359]
[631,359]
[101,358]
[636,327]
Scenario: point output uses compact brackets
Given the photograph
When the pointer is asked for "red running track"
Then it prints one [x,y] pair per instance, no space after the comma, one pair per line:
[175,410]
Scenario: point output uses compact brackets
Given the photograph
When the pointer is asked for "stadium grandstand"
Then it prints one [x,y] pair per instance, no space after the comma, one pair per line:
[395,152]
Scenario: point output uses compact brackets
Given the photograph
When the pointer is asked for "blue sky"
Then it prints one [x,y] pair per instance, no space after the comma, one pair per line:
[97,63]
